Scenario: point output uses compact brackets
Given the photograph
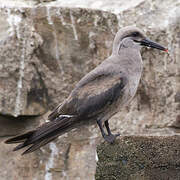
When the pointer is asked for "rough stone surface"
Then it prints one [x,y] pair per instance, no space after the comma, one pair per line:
[71,157]
[141,158]
[45,49]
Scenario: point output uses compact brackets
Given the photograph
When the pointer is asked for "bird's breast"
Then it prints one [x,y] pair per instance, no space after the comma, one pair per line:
[132,86]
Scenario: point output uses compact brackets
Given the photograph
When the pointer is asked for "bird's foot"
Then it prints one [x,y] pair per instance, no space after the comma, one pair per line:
[111,137]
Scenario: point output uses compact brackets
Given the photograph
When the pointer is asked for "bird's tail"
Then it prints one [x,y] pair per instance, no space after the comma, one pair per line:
[43,134]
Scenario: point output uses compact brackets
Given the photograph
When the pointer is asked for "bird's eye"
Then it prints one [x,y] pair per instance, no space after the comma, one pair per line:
[135,34]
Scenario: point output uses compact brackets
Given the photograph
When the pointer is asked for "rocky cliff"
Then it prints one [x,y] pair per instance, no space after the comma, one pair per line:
[47,46]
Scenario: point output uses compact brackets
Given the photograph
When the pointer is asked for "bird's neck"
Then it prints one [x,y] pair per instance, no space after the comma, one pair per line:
[130,59]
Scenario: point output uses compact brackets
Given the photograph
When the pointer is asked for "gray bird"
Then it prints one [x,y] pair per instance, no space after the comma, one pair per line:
[98,95]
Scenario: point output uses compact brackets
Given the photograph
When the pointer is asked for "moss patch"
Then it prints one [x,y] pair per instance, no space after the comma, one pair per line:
[139,157]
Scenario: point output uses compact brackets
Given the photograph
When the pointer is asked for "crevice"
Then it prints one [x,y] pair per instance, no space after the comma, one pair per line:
[66,157]
[38,92]
[10,125]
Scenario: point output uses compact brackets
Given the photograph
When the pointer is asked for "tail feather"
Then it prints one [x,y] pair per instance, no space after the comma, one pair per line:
[37,145]
[20,146]
[20,138]
[50,128]
[42,135]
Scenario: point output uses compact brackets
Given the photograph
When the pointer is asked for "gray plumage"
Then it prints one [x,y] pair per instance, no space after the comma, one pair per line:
[98,95]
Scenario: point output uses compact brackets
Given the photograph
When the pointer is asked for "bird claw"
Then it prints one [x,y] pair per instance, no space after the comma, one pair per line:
[111,137]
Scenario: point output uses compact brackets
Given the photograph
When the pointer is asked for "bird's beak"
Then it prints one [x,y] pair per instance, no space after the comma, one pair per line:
[149,43]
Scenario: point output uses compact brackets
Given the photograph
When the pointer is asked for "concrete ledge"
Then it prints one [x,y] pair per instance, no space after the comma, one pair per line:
[140,158]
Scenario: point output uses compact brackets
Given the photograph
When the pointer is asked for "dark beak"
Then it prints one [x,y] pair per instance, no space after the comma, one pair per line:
[149,43]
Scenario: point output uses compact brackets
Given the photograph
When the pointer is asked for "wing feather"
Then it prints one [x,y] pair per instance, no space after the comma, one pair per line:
[92,94]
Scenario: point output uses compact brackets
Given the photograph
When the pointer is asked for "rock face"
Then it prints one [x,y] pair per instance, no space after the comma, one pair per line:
[69,157]
[46,48]
[44,51]
[142,158]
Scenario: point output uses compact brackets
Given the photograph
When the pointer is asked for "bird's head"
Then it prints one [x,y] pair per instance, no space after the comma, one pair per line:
[133,37]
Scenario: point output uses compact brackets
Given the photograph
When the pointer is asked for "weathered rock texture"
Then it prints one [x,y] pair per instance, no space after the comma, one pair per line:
[71,157]
[45,49]
[141,158]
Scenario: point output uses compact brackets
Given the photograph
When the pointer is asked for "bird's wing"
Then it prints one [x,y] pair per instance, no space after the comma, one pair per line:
[92,94]
[97,95]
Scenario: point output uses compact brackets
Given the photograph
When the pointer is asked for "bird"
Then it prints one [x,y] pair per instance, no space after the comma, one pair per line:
[98,96]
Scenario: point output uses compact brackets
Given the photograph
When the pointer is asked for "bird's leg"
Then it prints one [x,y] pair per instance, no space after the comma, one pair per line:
[110,137]
[101,128]
[107,127]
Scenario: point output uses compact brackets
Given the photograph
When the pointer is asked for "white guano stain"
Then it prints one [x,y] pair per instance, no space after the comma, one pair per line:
[118,16]
[14,21]
[57,54]
[50,164]
[49,15]
[61,17]
[73,26]
[18,105]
